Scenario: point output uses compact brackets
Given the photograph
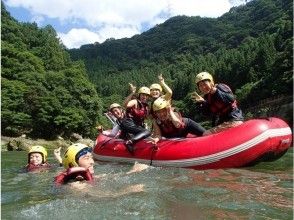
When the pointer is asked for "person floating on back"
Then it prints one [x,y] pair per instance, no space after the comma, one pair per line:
[218,101]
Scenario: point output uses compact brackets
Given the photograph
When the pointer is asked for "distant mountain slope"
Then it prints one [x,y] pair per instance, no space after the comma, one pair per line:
[249,48]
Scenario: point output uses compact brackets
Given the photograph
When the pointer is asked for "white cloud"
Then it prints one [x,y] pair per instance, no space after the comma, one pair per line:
[120,32]
[77,37]
[104,19]
[94,12]
[203,8]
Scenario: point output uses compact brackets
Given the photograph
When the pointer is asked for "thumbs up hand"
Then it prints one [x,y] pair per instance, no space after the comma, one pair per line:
[196,97]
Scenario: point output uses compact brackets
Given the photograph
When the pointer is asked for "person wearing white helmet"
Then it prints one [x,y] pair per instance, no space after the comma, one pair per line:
[157,90]
[218,101]
[130,123]
[170,124]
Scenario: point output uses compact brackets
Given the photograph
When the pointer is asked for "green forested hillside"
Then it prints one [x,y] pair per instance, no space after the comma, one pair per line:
[249,48]
[43,92]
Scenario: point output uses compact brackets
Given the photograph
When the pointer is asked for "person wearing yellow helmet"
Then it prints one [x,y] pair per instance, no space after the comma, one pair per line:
[79,164]
[218,101]
[138,108]
[157,89]
[37,159]
[171,124]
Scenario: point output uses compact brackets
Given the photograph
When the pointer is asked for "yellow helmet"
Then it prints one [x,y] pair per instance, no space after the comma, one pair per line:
[114,105]
[144,90]
[156,86]
[73,153]
[38,149]
[203,76]
[159,103]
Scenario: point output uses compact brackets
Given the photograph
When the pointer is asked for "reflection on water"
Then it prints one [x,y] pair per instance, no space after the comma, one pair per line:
[261,192]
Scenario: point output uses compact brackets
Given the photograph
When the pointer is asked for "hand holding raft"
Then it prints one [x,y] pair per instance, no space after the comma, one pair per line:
[196,97]
[99,128]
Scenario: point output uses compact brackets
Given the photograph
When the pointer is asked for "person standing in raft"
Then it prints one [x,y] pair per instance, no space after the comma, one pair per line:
[219,101]
[79,164]
[131,122]
[37,159]
[171,124]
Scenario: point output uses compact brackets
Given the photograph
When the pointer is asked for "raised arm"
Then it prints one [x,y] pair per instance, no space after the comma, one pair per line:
[175,118]
[58,156]
[131,95]
[132,103]
[168,92]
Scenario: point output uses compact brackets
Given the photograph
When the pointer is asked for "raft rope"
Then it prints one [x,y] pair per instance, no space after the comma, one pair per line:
[154,148]
[105,142]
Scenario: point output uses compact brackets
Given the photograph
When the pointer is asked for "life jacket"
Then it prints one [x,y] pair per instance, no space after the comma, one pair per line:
[138,114]
[216,104]
[35,168]
[73,174]
[167,127]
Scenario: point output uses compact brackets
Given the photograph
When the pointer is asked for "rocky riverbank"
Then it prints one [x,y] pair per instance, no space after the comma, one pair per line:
[23,143]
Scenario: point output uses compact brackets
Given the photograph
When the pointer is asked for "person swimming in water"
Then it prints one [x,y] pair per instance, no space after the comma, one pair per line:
[79,164]
[37,159]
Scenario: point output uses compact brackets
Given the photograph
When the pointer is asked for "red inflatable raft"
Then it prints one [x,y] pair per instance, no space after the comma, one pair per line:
[253,141]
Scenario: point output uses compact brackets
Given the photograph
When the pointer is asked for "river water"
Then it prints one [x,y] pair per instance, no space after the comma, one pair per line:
[264,191]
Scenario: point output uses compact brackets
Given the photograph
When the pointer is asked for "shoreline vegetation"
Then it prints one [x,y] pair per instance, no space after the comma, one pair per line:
[21,143]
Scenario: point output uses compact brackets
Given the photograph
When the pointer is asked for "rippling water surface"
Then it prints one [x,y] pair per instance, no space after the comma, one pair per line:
[261,192]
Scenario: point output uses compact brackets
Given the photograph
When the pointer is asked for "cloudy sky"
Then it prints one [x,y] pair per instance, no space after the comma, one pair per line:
[79,22]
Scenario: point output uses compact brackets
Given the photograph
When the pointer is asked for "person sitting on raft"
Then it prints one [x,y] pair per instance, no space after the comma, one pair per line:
[131,122]
[219,101]
[37,159]
[156,91]
[79,164]
[171,124]
[116,111]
